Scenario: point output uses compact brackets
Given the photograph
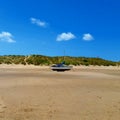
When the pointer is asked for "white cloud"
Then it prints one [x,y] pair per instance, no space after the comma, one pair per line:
[65,36]
[87,37]
[38,22]
[6,37]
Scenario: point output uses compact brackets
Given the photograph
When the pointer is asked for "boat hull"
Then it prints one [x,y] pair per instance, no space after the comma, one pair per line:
[61,68]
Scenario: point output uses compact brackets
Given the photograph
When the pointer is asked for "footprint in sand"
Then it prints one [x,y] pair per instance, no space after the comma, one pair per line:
[2,105]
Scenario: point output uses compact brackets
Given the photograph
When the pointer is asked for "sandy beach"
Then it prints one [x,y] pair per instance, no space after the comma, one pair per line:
[37,93]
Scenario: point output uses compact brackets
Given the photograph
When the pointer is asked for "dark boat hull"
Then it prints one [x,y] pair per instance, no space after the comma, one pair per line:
[66,68]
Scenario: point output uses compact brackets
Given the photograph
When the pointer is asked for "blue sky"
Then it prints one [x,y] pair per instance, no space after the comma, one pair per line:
[89,28]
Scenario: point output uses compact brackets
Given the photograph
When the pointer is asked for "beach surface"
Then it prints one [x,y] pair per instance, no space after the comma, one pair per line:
[37,93]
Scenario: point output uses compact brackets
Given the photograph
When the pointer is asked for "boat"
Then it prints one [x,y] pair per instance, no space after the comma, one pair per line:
[61,67]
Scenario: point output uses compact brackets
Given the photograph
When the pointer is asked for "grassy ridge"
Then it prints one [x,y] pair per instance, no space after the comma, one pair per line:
[46,60]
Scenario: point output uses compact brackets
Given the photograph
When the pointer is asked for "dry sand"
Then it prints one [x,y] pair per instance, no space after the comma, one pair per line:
[37,93]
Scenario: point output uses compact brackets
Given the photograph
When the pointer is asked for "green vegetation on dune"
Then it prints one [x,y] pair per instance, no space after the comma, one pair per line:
[46,60]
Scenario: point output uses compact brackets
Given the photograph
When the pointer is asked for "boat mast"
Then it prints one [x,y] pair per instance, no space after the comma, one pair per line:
[64,56]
